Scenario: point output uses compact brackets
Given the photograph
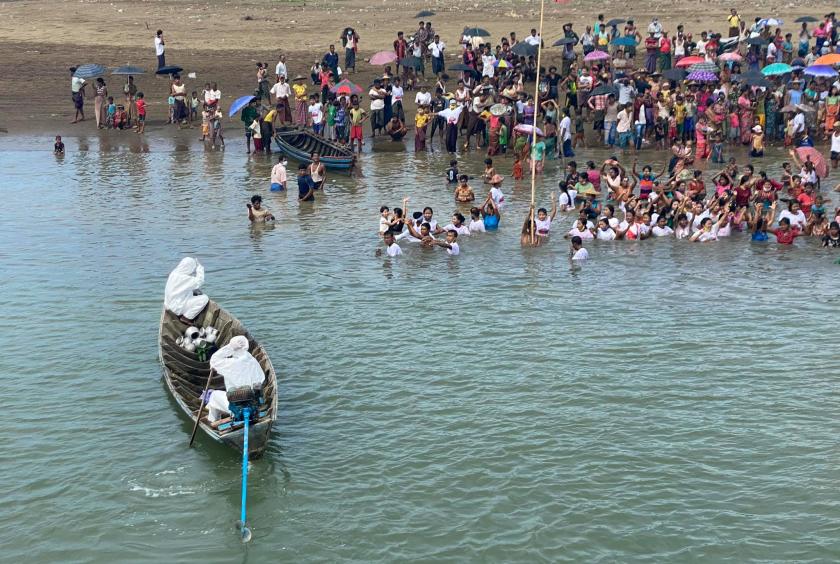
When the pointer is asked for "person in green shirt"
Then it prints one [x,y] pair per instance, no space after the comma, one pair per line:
[503,138]
[248,115]
[538,154]
[332,109]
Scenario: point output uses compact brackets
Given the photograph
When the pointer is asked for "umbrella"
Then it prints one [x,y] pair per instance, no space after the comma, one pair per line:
[523,49]
[89,70]
[615,21]
[127,70]
[795,107]
[776,69]
[172,69]
[383,58]
[501,64]
[688,61]
[707,67]
[830,59]
[702,76]
[239,103]
[411,62]
[602,90]
[769,22]
[527,129]
[735,57]
[756,41]
[820,70]
[476,32]
[806,19]
[565,41]
[346,87]
[424,14]
[674,74]
[625,41]
[588,191]
[460,67]
[596,56]
[757,81]
[498,109]
[816,157]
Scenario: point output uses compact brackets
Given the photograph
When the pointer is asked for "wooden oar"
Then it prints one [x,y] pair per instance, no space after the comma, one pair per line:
[201,408]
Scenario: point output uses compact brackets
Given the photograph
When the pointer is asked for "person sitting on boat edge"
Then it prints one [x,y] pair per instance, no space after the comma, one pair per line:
[238,368]
[396,129]
[182,295]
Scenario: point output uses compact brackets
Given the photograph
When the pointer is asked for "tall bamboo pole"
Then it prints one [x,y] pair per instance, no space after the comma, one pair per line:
[534,131]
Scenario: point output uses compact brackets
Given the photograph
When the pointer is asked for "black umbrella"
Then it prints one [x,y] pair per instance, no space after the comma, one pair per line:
[755,81]
[459,67]
[411,62]
[171,69]
[806,19]
[476,32]
[615,21]
[603,90]
[674,74]
[565,41]
[424,14]
[756,41]
[523,49]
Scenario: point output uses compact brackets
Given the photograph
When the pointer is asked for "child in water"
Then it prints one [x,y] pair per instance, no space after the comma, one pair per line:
[452,173]
[517,168]
[58,148]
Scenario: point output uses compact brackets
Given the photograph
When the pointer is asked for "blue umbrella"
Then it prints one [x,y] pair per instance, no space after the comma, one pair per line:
[626,41]
[820,70]
[239,103]
[90,70]
[128,70]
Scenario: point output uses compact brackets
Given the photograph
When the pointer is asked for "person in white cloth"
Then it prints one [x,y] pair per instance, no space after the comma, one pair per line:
[238,368]
[180,295]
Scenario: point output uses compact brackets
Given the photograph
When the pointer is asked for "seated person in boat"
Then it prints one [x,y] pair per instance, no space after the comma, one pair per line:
[182,295]
[257,213]
[239,370]
[396,129]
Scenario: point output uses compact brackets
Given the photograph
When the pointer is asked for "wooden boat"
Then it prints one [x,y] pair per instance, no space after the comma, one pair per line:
[186,375]
[299,144]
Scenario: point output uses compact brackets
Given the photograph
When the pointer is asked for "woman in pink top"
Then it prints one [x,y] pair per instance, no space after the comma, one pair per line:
[745,113]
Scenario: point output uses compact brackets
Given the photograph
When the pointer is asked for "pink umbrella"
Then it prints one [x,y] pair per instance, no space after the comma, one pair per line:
[730,57]
[597,56]
[686,62]
[383,58]
[527,129]
[347,88]
[816,157]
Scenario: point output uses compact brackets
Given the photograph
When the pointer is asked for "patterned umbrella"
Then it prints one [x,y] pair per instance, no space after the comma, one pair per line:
[383,58]
[346,87]
[704,66]
[90,70]
[776,69]
[596,56]
[820,70]
[702,76]
[527,129]
[769,22]
[686,62]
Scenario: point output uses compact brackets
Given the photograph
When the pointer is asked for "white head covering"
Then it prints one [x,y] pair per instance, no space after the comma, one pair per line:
[236,365]
[178,296]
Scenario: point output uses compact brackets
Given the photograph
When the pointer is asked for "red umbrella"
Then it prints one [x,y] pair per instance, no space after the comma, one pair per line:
[383,58]
[347,88]
[816,157]
[686,62]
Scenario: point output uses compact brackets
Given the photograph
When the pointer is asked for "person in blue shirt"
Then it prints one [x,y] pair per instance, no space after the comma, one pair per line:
[306,186]
[492,215]
[330,60]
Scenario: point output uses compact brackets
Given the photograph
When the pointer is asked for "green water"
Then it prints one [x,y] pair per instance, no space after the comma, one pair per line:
[668,402]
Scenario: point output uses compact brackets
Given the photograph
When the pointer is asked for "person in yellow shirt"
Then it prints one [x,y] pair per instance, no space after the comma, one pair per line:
[734,23]
[299,88]
[421,120]
[679,117]
[757,142]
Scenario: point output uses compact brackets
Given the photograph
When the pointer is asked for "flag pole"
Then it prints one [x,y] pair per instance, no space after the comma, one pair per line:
[534,129]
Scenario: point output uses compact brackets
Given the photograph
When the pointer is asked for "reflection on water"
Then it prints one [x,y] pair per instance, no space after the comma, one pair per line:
[665,402]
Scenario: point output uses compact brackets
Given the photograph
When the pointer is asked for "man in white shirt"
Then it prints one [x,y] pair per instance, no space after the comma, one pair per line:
[566,134]
[701,45]
[392,249]
[160,49]
[423,98]
[316,115]
[281,91]
[624,125]
[798,123]
[771,52]
[450,243]
[436,48]
[377,107]
[655,28]
[534,40]
[280,69]
[794,215]
[577,252]
[77,88]
[487,63]
[278,175]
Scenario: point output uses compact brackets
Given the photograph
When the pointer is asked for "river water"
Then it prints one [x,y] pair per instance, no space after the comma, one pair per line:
[667,402]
